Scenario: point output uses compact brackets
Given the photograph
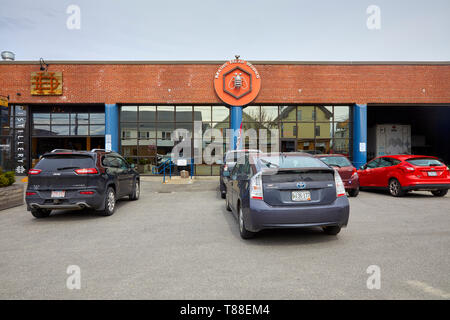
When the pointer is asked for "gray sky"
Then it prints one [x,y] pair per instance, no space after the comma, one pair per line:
[217,30]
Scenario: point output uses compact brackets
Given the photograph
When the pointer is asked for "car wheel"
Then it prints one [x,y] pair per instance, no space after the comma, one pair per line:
[439,193]
[353,192]
[395,188]
[136,191]
[40,213]
[332,230]
[110,203]
[227,202]
[245,234]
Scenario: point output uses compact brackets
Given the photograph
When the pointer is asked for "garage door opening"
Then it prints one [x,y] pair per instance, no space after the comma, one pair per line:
[428,126]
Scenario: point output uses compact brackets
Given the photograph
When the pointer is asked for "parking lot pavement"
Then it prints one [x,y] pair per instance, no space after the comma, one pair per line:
[181,243]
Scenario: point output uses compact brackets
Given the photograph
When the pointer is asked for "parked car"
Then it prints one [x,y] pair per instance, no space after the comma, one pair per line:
[347,171]
[403,173]
[229,161]
[286,190]
[78,180]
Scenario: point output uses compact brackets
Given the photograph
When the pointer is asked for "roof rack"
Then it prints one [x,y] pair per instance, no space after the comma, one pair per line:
[61,150]
[95,150]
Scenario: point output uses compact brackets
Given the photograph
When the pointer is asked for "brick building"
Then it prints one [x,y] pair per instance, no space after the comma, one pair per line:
[133,107]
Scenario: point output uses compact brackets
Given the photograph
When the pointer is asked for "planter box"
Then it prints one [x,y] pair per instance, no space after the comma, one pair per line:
[11,196]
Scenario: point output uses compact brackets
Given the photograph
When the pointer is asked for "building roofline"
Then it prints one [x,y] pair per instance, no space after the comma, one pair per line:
[217,62]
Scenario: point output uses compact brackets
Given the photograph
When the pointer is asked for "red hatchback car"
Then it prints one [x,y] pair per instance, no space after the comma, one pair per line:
[346,170]
[402,173]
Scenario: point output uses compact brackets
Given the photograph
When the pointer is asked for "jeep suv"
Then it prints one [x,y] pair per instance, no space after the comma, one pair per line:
[80,179]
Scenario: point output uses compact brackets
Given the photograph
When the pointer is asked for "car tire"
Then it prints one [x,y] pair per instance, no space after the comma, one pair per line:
[439,193]
[40,213]
[136,191]
[332,230]
[110,203]
[353,192]
[395,188]
[245,234]
[227,203]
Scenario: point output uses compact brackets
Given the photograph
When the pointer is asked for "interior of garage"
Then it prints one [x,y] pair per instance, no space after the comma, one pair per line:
[429,128]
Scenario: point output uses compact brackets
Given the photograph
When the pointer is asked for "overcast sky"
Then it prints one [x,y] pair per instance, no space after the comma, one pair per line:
[320,30]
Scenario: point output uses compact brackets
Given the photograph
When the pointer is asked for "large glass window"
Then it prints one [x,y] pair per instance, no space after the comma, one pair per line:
[146,133]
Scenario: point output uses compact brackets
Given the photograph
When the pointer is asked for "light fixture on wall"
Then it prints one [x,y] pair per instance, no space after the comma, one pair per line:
[44,65]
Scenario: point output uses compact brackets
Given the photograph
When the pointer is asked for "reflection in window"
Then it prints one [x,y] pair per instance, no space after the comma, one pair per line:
[81,130]
[166,113]
[97,118]
[220,114]
[80,118]
[128,113]
[251,114]
[287,113]
[184,113]
[202,113]
[41,118]
[269,113]
[97,130]
[307,113]
[60,130]
[60,118]
[147,113]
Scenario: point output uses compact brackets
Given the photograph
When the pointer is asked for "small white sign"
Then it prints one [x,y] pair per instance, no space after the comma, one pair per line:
[181,162]
[108,144]
[362,147]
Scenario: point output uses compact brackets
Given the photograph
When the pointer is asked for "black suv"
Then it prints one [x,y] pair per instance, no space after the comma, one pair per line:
[80,179]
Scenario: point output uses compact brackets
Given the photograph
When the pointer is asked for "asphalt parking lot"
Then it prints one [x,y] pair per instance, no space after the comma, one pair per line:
[179,242]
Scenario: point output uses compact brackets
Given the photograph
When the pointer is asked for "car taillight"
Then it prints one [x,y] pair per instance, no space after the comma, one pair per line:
[86,192]
[408,168]
[34,171]
[30,193]
[86,171]
[256,189]
[340,189]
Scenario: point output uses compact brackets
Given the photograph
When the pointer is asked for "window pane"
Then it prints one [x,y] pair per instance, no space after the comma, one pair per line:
[129,147]
[165,113]
[341,146]
[128,130]
[323,114]
[341,113]
[40,130]
[41,118]
[288,113]
[79,118]
[184,113]
[307,113]
[97,118]
[324,130]
[147,113]
[305,130]
[97,130]
[60,130]
[78,130]
[342,129]
[251,114]
[164,138]
[147,130]
[202,113]
[288,130]
[147,147]
[220,114]
[128,113]
[60,118]
[269,113]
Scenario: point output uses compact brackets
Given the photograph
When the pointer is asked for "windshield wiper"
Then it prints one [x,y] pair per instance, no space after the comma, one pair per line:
[66,168]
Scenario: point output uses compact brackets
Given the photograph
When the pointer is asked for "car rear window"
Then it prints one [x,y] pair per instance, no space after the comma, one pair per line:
[65,162]
[336,161]
[425,162]
[287,162]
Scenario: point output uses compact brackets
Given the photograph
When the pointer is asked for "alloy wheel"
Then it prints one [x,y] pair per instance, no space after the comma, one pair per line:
[111,201]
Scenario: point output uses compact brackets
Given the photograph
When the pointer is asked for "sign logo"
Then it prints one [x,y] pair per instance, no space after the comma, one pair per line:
[46,83]
[301,185]
[237,82]
[4,101]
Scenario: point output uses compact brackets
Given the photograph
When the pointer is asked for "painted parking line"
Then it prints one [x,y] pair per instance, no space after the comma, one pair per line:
[428,289]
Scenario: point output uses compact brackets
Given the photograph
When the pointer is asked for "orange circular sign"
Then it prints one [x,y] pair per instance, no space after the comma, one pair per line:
[237,82]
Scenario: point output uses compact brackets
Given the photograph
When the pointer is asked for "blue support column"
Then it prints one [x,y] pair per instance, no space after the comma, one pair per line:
[359,134]
[112,126]
[236,122]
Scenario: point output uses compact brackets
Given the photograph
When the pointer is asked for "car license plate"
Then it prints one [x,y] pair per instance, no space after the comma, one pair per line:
[301,196]
[58,194]
[432,173]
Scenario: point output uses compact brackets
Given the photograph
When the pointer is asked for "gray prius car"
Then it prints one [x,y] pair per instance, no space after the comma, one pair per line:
[286,190]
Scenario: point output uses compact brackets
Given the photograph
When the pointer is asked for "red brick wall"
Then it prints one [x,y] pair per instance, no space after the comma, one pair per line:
[193,83]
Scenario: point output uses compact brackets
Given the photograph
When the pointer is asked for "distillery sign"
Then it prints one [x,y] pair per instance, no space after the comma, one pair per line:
[237,82]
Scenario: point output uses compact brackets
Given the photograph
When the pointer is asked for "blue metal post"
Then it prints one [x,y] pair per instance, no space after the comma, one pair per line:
[359,134]
[236,122]
[112,125]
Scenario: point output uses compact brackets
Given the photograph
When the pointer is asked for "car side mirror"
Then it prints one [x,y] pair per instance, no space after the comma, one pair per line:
[361,168]
[226,173]
[132,166]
